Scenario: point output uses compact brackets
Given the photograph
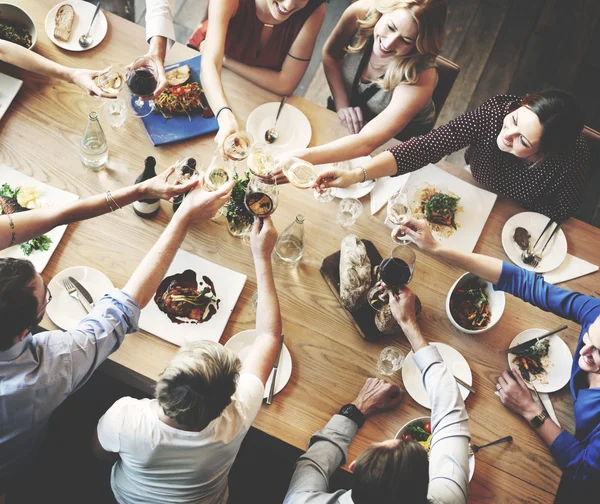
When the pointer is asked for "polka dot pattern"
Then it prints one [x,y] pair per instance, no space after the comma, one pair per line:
[554,188]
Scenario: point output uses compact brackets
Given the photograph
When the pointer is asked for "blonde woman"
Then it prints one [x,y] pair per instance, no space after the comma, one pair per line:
[380,65]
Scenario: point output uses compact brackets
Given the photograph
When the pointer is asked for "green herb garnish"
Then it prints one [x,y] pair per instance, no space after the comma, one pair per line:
[440,208]
[417,432]
[40,243]
[235,209]
[9,192]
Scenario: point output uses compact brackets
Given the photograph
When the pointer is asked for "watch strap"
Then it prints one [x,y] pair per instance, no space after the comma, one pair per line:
[539,419]
[353,413]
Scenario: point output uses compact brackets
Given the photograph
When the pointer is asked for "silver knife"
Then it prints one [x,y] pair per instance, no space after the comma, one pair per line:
[83,291]
[275,367]
[529,343]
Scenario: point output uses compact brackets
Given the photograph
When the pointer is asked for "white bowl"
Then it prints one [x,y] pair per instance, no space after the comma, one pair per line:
[423,420]
[496,299]
[12,12]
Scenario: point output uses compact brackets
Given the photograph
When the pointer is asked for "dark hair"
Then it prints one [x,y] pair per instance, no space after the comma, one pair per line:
[561,118]
[391,474]
[18,304]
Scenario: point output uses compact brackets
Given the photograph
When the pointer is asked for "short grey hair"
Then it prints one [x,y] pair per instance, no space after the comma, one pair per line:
[198,383]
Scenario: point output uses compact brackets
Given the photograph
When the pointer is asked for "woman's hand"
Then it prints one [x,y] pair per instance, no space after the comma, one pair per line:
[159,186]
[227,126]
[336,177]
[418,230]
[201,205]
[516,396]
[85,80]
[263,236]
[352,118]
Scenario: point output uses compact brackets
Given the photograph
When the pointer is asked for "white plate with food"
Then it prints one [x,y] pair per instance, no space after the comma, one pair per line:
[432,192]
[293,127]
[419,430]
[73,24]
[31,193]
[473,306]
[456,363]
[355,190]
[194,301]
[241,343]
[550,355]
[65,311]
[9,87]
[532,224]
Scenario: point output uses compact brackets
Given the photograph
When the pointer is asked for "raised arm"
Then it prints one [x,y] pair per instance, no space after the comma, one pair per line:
[22,226]
[266,347]
[287,79]
[33,62]
[160,32]
[220,13]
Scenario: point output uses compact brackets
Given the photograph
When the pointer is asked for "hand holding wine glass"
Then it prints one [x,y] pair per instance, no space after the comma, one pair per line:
[399,213]
[160,187]
[394,272]
[88,81]
[262,196]
[142,82]
[337,177]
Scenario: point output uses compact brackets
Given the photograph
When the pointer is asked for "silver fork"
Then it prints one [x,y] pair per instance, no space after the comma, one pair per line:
[538,257]
[70,288]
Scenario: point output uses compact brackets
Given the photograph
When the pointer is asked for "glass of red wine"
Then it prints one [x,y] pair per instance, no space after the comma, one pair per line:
[393,273]
[262,195]
[142,82]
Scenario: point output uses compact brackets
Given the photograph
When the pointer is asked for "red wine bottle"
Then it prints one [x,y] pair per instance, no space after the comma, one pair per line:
[149,207]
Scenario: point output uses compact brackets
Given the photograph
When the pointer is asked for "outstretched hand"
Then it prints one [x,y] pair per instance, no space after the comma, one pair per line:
[403,304]
[203,205]
[159,186]
[85,79]
[263,236]
[377,395]
[418,230]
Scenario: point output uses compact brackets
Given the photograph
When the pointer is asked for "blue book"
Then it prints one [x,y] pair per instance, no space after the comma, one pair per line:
[164,131]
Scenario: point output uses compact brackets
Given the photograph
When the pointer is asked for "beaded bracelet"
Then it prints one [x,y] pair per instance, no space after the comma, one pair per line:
[364,173]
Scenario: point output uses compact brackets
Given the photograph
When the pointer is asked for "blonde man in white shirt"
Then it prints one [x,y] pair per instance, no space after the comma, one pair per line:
[179,447]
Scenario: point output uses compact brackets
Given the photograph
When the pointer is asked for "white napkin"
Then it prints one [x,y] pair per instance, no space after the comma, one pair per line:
[384,188]
[547,403]
[571,267]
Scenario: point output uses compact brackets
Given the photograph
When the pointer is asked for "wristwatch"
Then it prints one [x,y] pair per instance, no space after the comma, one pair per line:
[353,413]
[539,419]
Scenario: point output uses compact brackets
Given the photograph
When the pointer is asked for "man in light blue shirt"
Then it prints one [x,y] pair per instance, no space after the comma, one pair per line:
[38,372]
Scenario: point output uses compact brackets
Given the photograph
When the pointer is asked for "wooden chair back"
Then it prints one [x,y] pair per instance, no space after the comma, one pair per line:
[447,73]
[589,211]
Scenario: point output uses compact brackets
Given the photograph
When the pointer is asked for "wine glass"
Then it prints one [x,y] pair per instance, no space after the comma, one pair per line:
[142,82]
[218,172]
[115,112]
[262,195]
[398,213]
[302,175]
[185,171]
[237,145]
[393,273]
[390,360]
[111,82]
[260,160]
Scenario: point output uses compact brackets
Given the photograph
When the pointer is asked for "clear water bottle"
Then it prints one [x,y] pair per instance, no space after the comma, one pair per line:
[94,148]
[290,244]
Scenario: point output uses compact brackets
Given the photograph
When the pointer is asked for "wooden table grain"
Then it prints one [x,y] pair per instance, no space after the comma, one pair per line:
[39,136]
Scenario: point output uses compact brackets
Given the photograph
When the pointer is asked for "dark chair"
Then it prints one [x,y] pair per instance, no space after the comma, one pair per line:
[589,211]
[447,74]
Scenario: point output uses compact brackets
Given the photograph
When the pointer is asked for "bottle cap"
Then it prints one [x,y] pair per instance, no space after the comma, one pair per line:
[300,219]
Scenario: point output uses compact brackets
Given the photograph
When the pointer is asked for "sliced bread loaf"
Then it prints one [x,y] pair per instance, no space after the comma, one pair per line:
[64,22]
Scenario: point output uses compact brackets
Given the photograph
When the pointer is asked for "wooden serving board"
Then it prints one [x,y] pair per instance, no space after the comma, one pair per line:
[364,317]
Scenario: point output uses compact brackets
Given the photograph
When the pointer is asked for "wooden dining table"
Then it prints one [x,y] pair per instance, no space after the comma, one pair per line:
[40,136]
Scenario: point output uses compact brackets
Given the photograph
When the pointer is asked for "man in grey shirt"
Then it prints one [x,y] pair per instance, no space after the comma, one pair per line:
[393,471]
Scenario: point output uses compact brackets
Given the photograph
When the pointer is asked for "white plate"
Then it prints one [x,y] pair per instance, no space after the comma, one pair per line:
[241,344]
[555,252]
[355,190]
[49,196]
[66,312]
[84,11]
[9,87]
[424,420]
[455,362]
[293,127]
[561,359]
[228,287]
[476,204]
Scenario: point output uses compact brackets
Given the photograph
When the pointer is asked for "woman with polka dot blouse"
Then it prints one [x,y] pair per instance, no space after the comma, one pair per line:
[530,149]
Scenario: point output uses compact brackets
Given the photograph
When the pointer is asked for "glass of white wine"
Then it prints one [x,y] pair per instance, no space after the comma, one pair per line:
[303,175]
[399,213]
[218,173]
[260,160]
[237,145]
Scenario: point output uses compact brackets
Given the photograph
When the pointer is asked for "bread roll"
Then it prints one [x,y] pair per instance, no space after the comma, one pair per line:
[63,22]
[355,273]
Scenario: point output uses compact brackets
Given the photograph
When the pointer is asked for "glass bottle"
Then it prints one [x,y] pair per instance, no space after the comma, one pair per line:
[290,244]
[149,207]
[94,148]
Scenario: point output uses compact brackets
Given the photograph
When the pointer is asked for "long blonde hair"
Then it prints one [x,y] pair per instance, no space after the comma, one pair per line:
[430,16]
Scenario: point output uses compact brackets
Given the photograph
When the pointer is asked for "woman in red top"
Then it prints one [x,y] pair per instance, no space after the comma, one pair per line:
[530,149]
[268,42]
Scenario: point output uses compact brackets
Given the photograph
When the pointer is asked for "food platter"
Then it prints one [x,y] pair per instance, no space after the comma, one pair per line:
[228,285]
[241,344]
[534,223]
[474,205]
[557,364]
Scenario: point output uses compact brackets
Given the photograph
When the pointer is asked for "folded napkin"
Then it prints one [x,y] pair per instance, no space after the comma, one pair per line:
[384,188]
[571,267]
[547,403]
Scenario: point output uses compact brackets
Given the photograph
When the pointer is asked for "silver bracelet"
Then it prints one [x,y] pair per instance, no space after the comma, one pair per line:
[113,200]
[364,173]
[108,203]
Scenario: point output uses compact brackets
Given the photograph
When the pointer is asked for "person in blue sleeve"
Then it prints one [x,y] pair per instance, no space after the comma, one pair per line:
[38,372]
[577,455]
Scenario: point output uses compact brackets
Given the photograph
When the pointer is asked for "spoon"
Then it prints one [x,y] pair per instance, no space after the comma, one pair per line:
[271,134]
[86,40]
